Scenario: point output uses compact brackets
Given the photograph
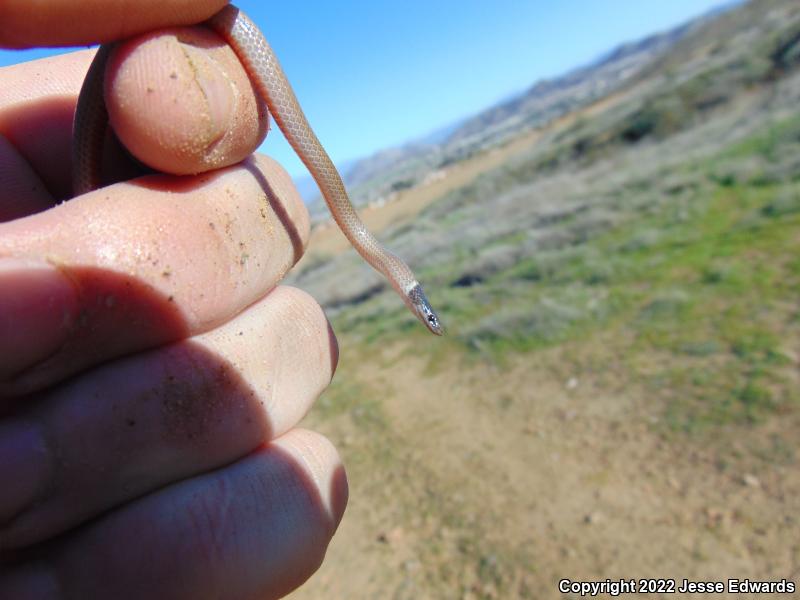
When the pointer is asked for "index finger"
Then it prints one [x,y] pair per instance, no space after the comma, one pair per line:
[140,264]
[24,23]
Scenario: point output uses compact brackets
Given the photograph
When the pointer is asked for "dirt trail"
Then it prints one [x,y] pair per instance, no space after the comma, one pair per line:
[496,483]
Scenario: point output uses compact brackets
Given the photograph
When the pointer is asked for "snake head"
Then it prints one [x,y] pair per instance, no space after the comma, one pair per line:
[419,305]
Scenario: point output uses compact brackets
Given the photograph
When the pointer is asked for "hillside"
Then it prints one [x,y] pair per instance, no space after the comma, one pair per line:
[373,178]
[617,395]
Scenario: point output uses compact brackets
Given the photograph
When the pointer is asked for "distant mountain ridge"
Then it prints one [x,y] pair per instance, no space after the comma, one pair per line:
[386,171]
[461,222]
[549,97]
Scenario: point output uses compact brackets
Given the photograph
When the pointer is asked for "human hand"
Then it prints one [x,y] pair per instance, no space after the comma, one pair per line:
[151,378]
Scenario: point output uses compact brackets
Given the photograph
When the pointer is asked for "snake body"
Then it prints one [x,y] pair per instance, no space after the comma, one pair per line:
[267,76]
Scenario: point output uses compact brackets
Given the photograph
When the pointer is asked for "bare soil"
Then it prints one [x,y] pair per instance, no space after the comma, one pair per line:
[478,481]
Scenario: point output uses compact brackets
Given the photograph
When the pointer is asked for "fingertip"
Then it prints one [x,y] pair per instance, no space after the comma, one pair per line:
[322,464]
[311,330]
[181,102]
[284,348]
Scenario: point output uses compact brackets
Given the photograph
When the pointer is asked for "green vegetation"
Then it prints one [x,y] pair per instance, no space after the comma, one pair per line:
[698,289]
[621,304]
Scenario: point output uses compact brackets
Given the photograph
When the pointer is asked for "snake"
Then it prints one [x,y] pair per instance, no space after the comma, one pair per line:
[272,85]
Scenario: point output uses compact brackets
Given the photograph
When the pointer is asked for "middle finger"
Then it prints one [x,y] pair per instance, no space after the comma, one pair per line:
[139,423]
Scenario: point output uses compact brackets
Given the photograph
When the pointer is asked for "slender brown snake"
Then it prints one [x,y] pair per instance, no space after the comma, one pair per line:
[261,64]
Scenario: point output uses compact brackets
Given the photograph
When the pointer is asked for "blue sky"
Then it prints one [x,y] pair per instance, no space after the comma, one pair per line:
[375,74]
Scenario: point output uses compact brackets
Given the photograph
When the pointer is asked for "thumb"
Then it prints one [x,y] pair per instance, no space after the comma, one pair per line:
[69,23]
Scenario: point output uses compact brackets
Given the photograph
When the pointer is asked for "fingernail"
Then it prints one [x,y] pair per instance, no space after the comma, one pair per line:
[24,467]
[217,89]
[37,307]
